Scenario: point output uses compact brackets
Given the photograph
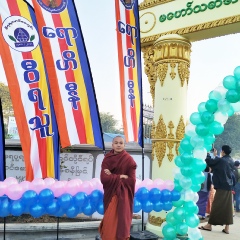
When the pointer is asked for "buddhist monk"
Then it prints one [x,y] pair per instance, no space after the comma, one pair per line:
[118,176]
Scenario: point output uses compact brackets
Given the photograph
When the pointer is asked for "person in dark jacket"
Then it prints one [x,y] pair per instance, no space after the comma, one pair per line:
[222,212]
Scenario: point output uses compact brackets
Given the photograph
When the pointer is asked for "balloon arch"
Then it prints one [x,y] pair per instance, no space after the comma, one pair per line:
[57,198]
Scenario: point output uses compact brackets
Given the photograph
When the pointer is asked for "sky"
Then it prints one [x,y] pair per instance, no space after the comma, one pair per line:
[211,60]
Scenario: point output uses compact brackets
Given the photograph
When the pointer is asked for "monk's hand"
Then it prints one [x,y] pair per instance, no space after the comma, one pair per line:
[107,171]
[124,176]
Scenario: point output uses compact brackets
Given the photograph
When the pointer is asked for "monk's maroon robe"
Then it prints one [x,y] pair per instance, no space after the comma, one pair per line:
[118,164]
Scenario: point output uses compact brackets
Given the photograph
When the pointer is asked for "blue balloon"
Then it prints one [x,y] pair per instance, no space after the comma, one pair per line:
[88,209]
[72,212]
[166,195]
[65,200]
[158,206]
[137,206]
[29,198]
[46,196]
[167,206]
[16,208]
[147,206]
[53,207]
[100,208]
[96,196]
[175,195]
[37,210]
[60,212]
[142,194]
[155,195]
[4,206]
[80,199]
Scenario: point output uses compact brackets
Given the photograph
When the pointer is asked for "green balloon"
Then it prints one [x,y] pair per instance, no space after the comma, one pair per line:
[202,129]
[177,185]
[198,178]
[178,203]
[169,231]
[229,82]
[216,128]
[211,105]
[196,187]
[232,96]
[179,213]
[186,145]
[238,85]
[230,111]
[223,106]
[178,162]
[236,73]
[201,107]
[215,95]
[195,118]
[185,182]
[171,219]
[192,220]
[182,228]
[207,117]
[186,171]
[186,158]
[190,207]
[209,139]
[198,165]
[208,147]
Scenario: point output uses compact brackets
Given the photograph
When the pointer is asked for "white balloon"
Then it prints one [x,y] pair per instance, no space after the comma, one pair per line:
[190,130]
[200,153]
[196,197]
[236,106]
[220,117]
[222,90]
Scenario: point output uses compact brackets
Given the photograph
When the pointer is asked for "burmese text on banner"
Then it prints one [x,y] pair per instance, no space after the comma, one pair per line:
[24,67]
[130,73]
[69,73]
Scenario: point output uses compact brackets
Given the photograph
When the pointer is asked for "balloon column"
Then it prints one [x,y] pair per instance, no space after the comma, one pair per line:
[199,136]
[56,198]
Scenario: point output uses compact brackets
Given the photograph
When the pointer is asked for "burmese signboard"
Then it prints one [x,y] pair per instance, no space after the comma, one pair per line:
[195,20]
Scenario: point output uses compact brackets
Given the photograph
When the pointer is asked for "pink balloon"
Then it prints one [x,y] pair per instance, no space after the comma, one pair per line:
[15,192]
[97,185]
[158,183]
[147,183]
[37,185]
[72,187]
[48,182]
[3,188]
[86,187]
[137,184]
[10,180]
[58,188]
[169,185]
[25,185]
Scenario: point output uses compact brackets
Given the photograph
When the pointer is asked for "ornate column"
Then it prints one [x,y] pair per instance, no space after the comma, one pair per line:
[167,64]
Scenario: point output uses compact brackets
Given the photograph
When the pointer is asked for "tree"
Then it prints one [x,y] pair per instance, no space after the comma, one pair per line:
[230,136]
[109,123]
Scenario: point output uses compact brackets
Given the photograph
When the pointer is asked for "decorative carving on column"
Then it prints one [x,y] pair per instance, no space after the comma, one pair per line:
[172,73]
[170,144]
[153,133]
[162,72]
[156,221]
[148,55]
[183,71]
[180,132]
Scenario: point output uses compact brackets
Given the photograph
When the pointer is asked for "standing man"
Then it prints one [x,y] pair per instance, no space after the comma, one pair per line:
[118,176]
[222,211]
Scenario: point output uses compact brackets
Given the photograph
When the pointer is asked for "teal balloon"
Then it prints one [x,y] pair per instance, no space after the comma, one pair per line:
[236,73]
[186,145]
[232,96]
[238,85]
[202,129]
[230,111]
[229,82]
[186,171]
[178,203]
[178,162]
[201,107]
[169,231]
[180,150]
[198,165]
[197,141]
[208,147]
[198,178]
[211,105]
[182,228]
[207,117]
[214,95]
[209,139]
[171,219]
[179,213]
[223,106]
[186,158]
[216,128]
[192,220]
[190,207]
[185,182]
[196,187]
[177,185]
[195,118]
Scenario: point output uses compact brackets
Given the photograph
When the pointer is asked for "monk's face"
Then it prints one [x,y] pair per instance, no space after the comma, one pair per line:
[118,144]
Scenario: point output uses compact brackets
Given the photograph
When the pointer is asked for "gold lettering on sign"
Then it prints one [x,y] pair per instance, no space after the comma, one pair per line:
[156,221]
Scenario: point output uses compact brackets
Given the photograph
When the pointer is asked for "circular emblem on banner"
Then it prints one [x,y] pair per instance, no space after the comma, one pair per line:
[20,34]
[53,6]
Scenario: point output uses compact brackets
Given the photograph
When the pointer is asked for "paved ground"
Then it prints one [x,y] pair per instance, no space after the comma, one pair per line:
[217,233]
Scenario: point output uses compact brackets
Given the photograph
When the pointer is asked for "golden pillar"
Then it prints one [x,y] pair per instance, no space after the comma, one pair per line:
[167,64]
